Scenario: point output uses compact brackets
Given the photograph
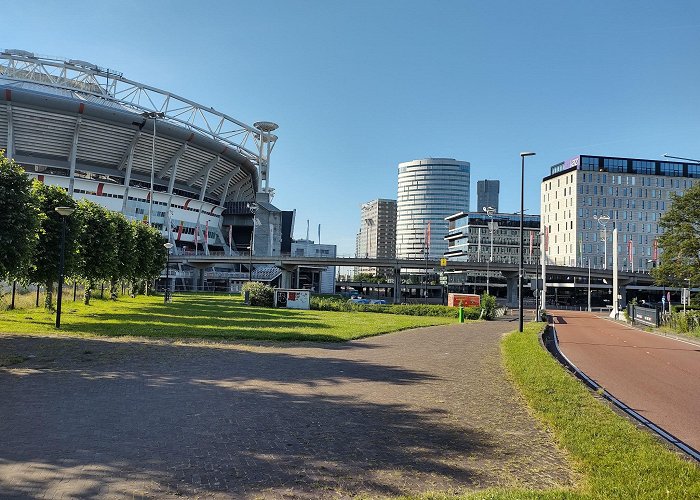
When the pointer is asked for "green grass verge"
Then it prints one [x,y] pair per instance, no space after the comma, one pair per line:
[613,457]
[206,316]
[617,460]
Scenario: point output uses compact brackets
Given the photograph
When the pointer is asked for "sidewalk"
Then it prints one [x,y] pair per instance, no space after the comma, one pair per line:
[427,409]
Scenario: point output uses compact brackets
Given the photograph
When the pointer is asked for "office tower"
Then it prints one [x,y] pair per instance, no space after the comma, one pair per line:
[428,191]
[487,194]
[377,235]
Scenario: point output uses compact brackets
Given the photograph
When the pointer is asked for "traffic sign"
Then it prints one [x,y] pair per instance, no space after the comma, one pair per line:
[443,262]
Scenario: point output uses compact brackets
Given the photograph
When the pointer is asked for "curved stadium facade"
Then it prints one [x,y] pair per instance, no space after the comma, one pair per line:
[132,148]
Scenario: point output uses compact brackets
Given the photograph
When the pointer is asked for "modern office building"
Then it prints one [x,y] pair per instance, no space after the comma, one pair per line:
[377,235]
[487,194]
[428,191]
[319,279]
[476,237]
[585,198]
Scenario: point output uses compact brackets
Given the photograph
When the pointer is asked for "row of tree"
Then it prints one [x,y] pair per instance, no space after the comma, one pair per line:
[100,245]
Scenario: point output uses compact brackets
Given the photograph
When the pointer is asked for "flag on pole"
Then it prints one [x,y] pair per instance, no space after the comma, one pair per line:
[196,234]
[478,248]
[546,238]
[630,251]
[532,240]
[179,230]
[230,236]
[655,247]
[206,233]
[427,238]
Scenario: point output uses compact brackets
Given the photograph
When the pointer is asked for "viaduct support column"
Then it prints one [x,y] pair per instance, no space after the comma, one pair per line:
[512,288]
[397,285]
[286,279]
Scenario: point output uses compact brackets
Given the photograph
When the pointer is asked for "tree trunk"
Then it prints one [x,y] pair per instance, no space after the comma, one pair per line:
[113,289]
[48,298]
[88,292]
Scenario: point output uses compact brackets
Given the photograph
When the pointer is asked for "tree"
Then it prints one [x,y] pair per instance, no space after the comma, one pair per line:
[96,245]
[125,250]
[44,267]
[680,241]
[150,256]
[19,220]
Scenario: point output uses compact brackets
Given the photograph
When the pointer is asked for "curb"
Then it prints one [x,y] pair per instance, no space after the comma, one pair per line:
[551,343]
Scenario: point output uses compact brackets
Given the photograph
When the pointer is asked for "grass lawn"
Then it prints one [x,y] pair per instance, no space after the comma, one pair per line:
[206,316]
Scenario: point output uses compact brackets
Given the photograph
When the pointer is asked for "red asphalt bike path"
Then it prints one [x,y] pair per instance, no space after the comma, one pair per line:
[658,377]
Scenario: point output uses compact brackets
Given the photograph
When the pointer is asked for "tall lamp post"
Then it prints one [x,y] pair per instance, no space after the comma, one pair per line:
[603,222]
[153,115]
[166,295]
[63,212]
[522,248]
[253,207]
[489,211]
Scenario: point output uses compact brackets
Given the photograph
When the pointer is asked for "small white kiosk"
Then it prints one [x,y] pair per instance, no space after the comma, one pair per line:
[293,299]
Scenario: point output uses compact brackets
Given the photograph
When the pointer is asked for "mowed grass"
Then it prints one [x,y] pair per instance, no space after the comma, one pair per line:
[617,459]
[206,316]
[613,458]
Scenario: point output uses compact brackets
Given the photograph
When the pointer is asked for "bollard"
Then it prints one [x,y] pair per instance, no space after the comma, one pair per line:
[461,313]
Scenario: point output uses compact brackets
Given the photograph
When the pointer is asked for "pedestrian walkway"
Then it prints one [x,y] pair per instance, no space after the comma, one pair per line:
[427,409]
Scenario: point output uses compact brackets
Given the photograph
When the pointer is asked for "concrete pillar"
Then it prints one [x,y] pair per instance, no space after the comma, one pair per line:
[286,279]
[512,288]
[397,285]
[200,273]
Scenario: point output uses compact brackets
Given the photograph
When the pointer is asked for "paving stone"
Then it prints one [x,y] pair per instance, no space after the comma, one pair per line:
[408,412]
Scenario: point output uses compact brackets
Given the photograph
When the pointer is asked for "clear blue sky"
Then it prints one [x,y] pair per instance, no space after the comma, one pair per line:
[359,86]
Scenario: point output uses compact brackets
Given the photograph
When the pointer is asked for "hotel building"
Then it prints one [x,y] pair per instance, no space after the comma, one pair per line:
[585,198]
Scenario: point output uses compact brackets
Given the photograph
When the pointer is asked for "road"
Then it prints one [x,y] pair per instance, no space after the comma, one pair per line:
[659,377]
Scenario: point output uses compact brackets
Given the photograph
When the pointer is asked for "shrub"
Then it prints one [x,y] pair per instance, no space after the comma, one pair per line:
[260,294]
[489,305]
[343,305]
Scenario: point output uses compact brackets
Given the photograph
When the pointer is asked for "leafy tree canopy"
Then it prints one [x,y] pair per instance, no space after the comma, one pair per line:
[44,267]
[680,242]
[19,220]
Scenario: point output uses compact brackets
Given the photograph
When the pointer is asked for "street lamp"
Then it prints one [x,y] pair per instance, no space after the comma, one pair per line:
[253,207]
[489,211]
[603,222]
[63,212]
[522,249]
[166,296]
[153,115]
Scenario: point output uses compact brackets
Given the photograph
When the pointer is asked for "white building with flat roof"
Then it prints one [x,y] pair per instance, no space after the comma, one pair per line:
[585,198]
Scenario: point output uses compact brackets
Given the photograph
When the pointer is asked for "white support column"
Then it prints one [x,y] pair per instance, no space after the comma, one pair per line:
[10,153]
[234,191]
[223,182]
[172,162]
[127,163]
[73,155]
[614,312]
[211,165]
[543,253]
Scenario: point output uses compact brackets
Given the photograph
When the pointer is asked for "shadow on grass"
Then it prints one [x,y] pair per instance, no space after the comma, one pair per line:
[104,417]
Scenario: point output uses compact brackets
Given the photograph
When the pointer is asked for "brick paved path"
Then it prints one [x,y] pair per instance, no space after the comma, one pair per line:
[426,409]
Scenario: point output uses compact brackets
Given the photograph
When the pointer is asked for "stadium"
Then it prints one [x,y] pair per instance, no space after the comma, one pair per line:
[193,172]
